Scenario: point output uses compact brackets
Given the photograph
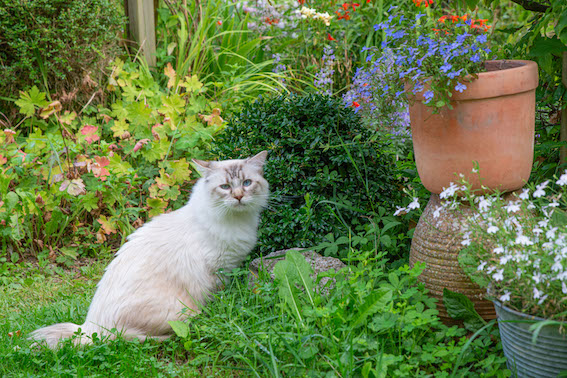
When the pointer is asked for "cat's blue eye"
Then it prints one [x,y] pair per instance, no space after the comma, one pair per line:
[247,183]
[225,186]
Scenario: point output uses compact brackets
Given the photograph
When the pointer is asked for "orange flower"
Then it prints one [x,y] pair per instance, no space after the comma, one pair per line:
[345,6]
[330,38]
[354,5]
[355,104]
[419,2]
[346,15]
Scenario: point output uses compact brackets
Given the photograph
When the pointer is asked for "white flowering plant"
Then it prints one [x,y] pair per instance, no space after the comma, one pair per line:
[516,244]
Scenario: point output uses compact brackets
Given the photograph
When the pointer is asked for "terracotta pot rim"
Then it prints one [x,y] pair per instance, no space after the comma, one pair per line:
[518,76]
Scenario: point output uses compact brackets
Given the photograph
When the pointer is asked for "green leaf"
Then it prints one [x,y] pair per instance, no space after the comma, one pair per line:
[303,271]
[308,352]
[117,166]
[561,27]
[157,206]
[181,329]
[11,200]
[289,272]
[89,201]
[472,4]
[373,302]
[173,106]
[138,113]
[192,83]
[460,307]
[29,100]
[544,46]
[286,290]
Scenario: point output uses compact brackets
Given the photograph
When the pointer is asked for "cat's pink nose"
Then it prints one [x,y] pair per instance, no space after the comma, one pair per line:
[238,196]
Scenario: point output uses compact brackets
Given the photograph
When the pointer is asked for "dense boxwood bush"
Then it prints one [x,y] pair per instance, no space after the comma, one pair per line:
[327,172]
[55,43]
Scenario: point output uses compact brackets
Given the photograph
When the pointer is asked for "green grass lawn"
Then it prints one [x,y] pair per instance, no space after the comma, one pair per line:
[376,322]
[31,298]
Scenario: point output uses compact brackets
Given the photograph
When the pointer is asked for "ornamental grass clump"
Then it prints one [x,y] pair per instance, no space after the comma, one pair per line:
[424,56]
[516,245]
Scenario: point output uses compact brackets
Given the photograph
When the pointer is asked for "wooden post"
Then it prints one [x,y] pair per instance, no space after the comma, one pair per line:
[142,17]
[563,135]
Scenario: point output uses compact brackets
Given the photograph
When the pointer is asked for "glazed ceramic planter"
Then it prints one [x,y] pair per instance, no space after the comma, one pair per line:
[492,122]
[547,357]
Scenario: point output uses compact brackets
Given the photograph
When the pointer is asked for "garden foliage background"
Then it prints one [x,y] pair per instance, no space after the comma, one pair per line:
[95,143]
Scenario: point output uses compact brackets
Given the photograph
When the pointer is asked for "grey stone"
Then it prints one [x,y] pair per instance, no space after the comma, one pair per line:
[318,263]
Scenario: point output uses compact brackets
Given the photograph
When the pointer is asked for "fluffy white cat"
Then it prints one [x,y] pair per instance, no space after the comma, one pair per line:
[173,261]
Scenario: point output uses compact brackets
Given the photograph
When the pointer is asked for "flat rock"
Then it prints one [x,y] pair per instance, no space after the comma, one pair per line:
[318,263]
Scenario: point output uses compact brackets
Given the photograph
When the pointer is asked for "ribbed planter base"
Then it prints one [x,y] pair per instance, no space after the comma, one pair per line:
[436,242]
[546,358]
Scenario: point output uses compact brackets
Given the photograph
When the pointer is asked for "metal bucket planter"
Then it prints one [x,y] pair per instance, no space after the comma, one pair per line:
[545,358]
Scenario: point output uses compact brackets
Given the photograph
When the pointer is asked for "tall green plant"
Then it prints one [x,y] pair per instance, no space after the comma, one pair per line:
[207,39]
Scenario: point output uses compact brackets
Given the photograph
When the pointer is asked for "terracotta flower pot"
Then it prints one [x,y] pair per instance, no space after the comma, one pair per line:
[492,122]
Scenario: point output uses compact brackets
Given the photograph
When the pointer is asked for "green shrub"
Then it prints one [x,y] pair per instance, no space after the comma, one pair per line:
[326,171]
[55,43]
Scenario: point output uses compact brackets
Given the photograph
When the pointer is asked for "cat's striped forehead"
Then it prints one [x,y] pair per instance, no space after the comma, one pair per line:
[230,170]
[234,171]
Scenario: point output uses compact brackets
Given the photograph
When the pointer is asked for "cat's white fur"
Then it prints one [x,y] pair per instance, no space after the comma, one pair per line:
[172,262]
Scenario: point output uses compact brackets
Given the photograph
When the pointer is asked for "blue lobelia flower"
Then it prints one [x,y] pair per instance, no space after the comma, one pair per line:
[462,37]
[481,38]
[428,96]
[460,87]
[454,74]
[446,67]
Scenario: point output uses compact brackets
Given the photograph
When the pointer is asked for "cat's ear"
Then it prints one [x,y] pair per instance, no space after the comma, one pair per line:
[202,166]
[258,159]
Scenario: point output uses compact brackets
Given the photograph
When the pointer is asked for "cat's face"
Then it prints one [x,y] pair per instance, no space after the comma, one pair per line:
[237,185]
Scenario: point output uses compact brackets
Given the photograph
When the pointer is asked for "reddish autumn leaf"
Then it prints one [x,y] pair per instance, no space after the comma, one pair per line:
[171,74]
[3,160]
[98,168]
[91,133]
[140,144]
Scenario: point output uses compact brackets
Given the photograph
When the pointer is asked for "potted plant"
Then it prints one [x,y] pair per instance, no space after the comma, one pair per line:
[463,109]
[517,247]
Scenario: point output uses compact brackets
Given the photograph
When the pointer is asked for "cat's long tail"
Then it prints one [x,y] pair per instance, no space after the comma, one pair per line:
[53,334]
